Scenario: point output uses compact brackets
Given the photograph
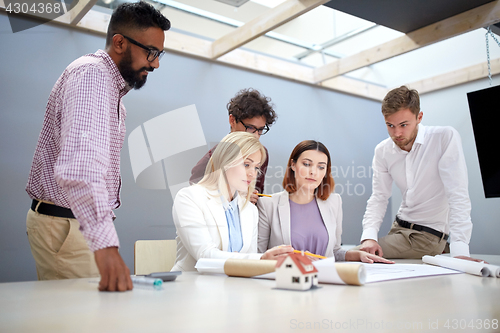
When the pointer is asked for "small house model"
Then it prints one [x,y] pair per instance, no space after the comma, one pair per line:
[296,271]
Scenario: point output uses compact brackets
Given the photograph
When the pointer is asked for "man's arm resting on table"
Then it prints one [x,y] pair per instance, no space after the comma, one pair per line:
[115,275]
[371,246]
[453,173]
[377,204]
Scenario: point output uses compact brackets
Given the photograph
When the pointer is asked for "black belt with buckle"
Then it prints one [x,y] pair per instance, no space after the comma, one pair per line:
[51,210]
[413,226]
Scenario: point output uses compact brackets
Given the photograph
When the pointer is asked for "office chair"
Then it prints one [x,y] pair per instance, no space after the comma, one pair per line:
[152,256]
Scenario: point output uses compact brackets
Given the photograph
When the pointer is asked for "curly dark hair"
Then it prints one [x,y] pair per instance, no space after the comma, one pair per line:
[250,103]
[137,15]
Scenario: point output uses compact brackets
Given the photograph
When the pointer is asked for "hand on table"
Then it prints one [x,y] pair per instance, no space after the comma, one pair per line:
[371,258]
[371,246]
[276,252]
[354,255]
[115,275]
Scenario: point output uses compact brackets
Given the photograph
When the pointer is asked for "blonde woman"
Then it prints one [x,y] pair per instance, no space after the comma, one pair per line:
[214,218]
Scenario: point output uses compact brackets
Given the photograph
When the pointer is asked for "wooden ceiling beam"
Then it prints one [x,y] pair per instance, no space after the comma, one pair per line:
[476,18]
[262,24]
[97,22]
[80,10]
[453,78]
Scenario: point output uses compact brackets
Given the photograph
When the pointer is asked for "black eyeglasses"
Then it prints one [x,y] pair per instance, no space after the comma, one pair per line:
[253,129]
[152,53]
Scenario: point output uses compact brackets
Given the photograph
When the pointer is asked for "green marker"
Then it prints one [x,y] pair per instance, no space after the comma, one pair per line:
[147,281]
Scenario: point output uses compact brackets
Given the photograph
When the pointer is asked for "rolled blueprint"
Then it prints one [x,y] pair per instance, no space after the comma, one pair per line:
[236,267]
[328,270]
[248,267]
[353,274]
[494,270]
[466,266]
[340,273]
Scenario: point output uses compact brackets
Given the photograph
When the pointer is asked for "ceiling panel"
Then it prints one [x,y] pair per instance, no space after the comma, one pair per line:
[405,15]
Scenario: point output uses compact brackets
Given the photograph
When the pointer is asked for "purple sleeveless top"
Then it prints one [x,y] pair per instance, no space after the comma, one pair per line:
[307,230]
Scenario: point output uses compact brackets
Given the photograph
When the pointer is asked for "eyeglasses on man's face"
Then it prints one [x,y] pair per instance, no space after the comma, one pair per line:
[253,129]
[152,53]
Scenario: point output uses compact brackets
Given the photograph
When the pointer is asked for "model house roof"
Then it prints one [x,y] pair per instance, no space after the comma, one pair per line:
[301,260]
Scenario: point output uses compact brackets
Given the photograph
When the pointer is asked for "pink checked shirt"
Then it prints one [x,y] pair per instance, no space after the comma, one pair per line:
[77,159]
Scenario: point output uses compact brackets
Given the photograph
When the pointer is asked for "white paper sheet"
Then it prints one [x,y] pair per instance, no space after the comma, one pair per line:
[387,272]
[327,272]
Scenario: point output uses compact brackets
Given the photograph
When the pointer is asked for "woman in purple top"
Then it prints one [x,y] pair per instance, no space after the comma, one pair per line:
[307,215]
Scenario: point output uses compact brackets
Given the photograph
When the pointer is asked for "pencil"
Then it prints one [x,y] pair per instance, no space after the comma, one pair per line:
[310,254]
[264,195]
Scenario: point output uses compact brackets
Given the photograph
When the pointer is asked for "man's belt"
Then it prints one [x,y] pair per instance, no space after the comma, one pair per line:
[413,226]
[51,210]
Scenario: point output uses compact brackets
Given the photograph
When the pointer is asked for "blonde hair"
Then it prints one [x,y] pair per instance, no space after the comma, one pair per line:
[228,152]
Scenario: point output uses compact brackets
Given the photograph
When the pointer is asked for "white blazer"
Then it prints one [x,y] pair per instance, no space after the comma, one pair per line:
[202,230]
[274,222]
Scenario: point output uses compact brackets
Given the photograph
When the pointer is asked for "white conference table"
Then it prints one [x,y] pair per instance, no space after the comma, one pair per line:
[216,303]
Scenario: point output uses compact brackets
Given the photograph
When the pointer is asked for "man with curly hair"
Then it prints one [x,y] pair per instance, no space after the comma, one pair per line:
[252,112]
[75,180]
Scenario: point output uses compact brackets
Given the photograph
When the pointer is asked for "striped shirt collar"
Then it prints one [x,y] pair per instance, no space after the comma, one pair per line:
[121,84]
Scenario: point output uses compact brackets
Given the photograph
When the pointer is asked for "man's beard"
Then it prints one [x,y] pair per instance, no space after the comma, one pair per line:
[404,143]
[133,78]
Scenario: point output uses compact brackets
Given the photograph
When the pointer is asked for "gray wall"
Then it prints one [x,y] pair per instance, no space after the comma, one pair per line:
[31,62]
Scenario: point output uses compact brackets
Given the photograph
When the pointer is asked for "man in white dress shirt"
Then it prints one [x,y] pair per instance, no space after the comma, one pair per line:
[428,166]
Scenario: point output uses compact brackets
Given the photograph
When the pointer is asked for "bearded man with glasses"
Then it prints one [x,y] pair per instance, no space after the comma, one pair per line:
[75,180]
[249,111]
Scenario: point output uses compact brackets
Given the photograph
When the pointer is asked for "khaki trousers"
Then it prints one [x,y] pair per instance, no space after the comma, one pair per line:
[59,249]
[403,243]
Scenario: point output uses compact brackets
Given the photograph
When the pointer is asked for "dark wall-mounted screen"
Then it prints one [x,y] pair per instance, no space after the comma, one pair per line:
[485,115]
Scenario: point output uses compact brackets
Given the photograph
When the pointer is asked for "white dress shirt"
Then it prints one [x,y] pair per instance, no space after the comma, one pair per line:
[432,178]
